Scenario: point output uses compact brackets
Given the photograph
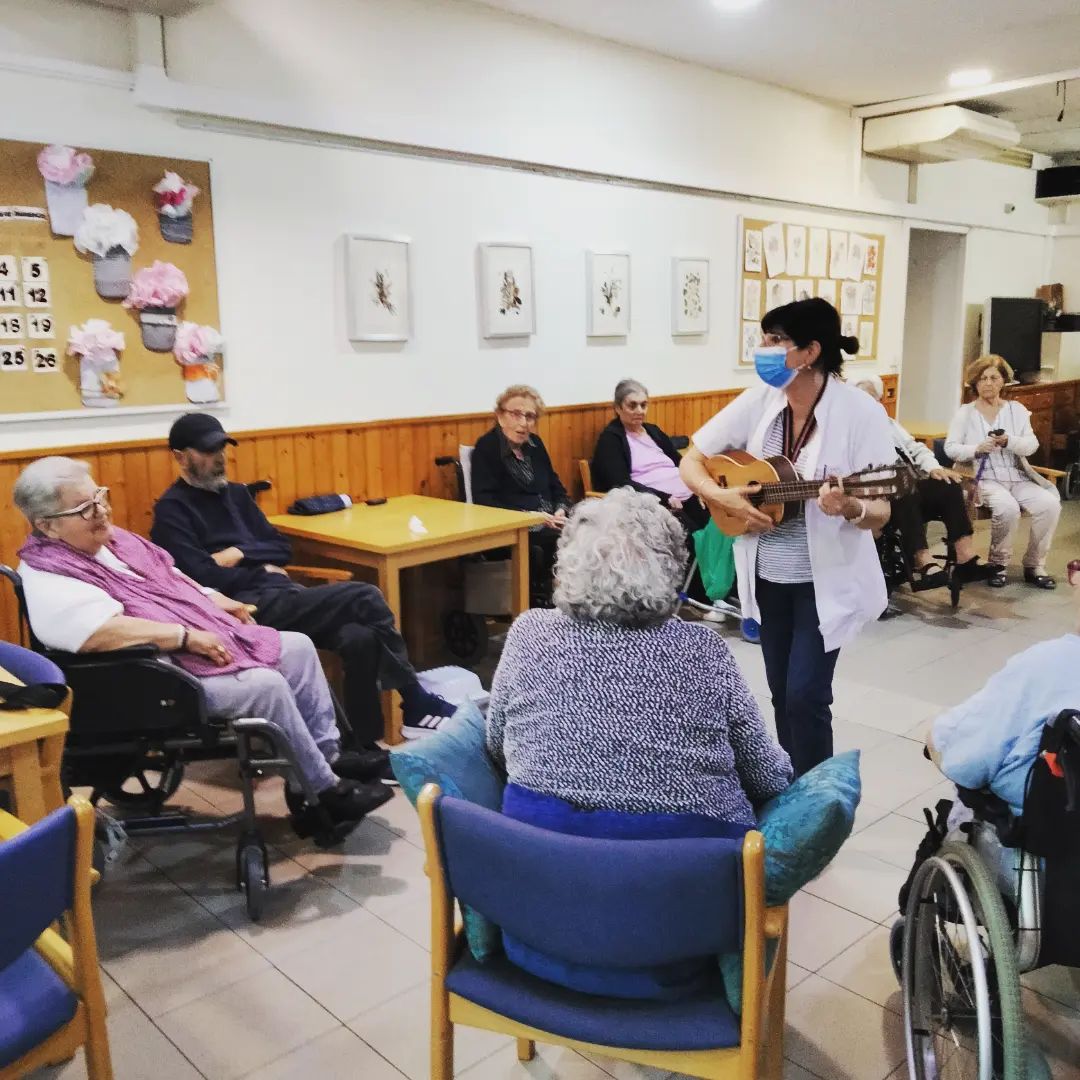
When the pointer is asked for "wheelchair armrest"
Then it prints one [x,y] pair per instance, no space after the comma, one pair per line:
[319,573]
[446,459]
[97,659]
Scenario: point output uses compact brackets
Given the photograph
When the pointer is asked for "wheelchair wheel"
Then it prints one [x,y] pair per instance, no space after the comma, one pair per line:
[1070,483]
[152,780]
[466,635]
[961,986]
[254,878]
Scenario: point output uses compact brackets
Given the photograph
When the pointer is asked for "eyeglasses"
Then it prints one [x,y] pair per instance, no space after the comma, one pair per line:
[776,339]
[99,504]
[521,417]
[635,406]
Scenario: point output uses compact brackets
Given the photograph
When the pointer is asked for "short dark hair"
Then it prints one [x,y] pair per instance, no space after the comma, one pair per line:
[813,320]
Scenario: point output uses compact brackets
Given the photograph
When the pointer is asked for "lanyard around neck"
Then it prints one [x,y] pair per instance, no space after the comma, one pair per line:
[793,446]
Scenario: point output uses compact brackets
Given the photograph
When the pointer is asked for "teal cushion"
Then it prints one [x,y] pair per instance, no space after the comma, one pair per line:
[804,827]
[455,757]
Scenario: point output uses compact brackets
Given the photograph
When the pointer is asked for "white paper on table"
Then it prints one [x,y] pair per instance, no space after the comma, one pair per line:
[817,253]
[850,298]
[856,254]
[870,265]
[779,291]
[849,327]
[751,298]
[417,526]
[751,338]
[796,250]
[869,297]
[804,288]
[838,254]
[866,338]
[826,289]
[775,254]
[752,251]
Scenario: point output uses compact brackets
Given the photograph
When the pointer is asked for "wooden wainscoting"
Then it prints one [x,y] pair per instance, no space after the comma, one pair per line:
[366,460]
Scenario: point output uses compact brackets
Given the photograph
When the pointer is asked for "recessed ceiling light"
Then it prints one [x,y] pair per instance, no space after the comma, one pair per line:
[969,77]
[734,7]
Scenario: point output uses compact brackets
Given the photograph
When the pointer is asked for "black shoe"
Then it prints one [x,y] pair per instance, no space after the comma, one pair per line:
[1040,581]
[971,571]
[348,800]
[998,579]
[361,764]
[930,576]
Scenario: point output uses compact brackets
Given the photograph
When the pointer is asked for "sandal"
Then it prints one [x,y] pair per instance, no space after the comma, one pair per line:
[967,572]
[1040,581]
[930,576]
[999,580]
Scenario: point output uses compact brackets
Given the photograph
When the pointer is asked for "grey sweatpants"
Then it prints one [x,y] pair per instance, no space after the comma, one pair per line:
[295,696]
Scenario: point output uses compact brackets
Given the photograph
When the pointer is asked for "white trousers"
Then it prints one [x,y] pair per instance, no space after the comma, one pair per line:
[1006,500]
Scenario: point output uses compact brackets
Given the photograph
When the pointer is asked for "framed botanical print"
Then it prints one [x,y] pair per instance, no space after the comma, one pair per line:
[377,288]
[607,278]
[507,300]
[689,296]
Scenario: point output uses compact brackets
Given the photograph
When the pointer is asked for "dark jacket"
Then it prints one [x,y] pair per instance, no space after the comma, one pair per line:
[493,484]
[192,524]
[611,458]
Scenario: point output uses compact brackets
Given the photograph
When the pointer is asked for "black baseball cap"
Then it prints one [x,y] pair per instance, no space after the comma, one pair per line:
[200,431]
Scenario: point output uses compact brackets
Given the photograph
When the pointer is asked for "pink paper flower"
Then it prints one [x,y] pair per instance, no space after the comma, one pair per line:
[65,165]
[195,343]
[174,196]
[161,285]
[95,341]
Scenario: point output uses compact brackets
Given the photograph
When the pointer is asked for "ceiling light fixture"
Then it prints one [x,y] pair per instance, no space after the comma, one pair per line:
[734,7]
[969,77]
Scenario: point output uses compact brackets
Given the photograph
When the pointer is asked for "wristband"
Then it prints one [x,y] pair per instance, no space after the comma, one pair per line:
[183,639]
[862,514]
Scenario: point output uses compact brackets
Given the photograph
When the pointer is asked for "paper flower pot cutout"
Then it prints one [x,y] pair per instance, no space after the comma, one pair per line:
[174,199]
[66,173]
[195,349]
[156,292]
[110,237]
[96,344]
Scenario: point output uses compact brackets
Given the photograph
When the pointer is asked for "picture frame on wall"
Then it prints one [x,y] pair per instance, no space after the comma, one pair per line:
[378,298]
[689,296]
[507,297]
[607,290]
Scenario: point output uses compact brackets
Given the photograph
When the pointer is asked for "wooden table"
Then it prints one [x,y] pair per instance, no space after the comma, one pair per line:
[924,431]
[31,746]
[378,537]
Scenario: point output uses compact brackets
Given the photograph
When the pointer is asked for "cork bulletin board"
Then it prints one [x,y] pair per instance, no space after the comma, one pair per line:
[780,262]
[47,286]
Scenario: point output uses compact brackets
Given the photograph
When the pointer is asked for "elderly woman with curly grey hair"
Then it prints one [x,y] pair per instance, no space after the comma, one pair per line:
[610,703]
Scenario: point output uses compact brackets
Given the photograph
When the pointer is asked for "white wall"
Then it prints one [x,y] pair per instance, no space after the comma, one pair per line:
[56,29]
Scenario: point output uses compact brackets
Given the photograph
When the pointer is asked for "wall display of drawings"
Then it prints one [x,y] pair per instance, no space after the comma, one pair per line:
[780,262]
[507,300]
[607,293]
[108,282]
[689,296]
[377,286]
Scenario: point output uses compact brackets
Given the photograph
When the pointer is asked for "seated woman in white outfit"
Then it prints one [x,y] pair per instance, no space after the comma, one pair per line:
[995,436]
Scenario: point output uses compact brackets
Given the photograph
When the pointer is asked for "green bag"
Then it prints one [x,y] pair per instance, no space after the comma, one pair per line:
[716,560]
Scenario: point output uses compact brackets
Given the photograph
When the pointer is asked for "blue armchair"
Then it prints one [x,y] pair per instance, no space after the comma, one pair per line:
[51,1000]
[622,903]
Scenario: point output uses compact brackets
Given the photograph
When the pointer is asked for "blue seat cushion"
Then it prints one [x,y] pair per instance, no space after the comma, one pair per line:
[704,1021]
[34,1003]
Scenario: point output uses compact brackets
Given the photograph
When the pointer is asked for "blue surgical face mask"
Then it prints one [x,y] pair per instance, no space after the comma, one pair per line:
[770,362]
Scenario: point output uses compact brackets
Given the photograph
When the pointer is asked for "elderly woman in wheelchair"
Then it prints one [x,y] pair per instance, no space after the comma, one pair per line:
[92,587]
[994,887]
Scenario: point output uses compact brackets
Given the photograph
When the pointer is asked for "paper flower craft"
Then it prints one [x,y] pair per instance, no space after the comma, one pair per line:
[96,344]
[195,349]
[156,292]
[111,237]
[66,173]
[174,198]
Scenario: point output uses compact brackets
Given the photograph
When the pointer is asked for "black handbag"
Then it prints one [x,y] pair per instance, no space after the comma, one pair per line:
[35,696]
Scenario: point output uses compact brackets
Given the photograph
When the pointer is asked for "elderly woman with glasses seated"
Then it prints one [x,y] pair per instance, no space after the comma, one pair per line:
[511,469]
[92,587]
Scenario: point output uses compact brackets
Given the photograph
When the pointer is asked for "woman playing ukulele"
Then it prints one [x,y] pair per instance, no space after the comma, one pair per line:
[813,581]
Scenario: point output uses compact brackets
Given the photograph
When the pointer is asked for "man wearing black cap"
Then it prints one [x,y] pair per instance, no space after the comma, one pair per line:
[219,536]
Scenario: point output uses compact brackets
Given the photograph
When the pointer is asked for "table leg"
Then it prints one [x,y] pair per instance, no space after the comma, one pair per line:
[390,586]
[26,782]
[52,753]
[519,574]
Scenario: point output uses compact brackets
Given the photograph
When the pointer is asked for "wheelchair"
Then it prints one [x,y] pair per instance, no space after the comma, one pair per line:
[137,720]
[994,899]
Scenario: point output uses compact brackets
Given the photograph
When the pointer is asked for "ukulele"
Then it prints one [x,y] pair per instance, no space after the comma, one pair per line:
[780,488]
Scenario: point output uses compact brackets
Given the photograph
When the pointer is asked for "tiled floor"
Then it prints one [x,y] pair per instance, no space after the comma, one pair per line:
[332,983]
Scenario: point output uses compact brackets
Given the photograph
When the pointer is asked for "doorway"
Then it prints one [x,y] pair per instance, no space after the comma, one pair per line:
[933,357]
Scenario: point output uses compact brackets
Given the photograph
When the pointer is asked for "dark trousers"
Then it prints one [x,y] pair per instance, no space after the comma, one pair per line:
[543,544]
[350,618]
[799,671]
[932,500]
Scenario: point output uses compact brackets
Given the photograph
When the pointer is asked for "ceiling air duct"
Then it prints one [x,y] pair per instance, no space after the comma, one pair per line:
[945,133]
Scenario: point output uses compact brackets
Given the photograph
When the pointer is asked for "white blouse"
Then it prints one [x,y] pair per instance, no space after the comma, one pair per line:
[969,428]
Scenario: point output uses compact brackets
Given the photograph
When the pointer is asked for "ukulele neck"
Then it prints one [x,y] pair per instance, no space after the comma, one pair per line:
[789,491]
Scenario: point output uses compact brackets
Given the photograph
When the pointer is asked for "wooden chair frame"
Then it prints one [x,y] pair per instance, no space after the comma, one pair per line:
[75,961]
[760,1052]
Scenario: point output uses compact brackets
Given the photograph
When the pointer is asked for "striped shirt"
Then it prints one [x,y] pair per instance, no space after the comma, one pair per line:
[783,553]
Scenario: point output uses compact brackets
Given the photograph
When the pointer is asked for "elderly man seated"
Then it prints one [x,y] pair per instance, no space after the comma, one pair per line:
[938,496]
[92,587]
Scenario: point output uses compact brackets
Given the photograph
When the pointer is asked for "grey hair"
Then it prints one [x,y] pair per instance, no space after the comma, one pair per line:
[625,388]
[622,560]
[37,490]
[877,387]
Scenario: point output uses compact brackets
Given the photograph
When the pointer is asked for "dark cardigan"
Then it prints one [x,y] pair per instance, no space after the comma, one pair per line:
[611,458]
[493,484]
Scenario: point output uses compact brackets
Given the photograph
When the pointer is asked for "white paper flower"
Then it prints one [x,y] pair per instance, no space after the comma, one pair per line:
[195,344]
[103,228]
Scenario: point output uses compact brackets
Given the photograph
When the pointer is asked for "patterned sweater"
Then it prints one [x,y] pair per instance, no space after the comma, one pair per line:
[658,720]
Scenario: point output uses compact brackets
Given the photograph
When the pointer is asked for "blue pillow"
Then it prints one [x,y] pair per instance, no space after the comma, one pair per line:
[455,757]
